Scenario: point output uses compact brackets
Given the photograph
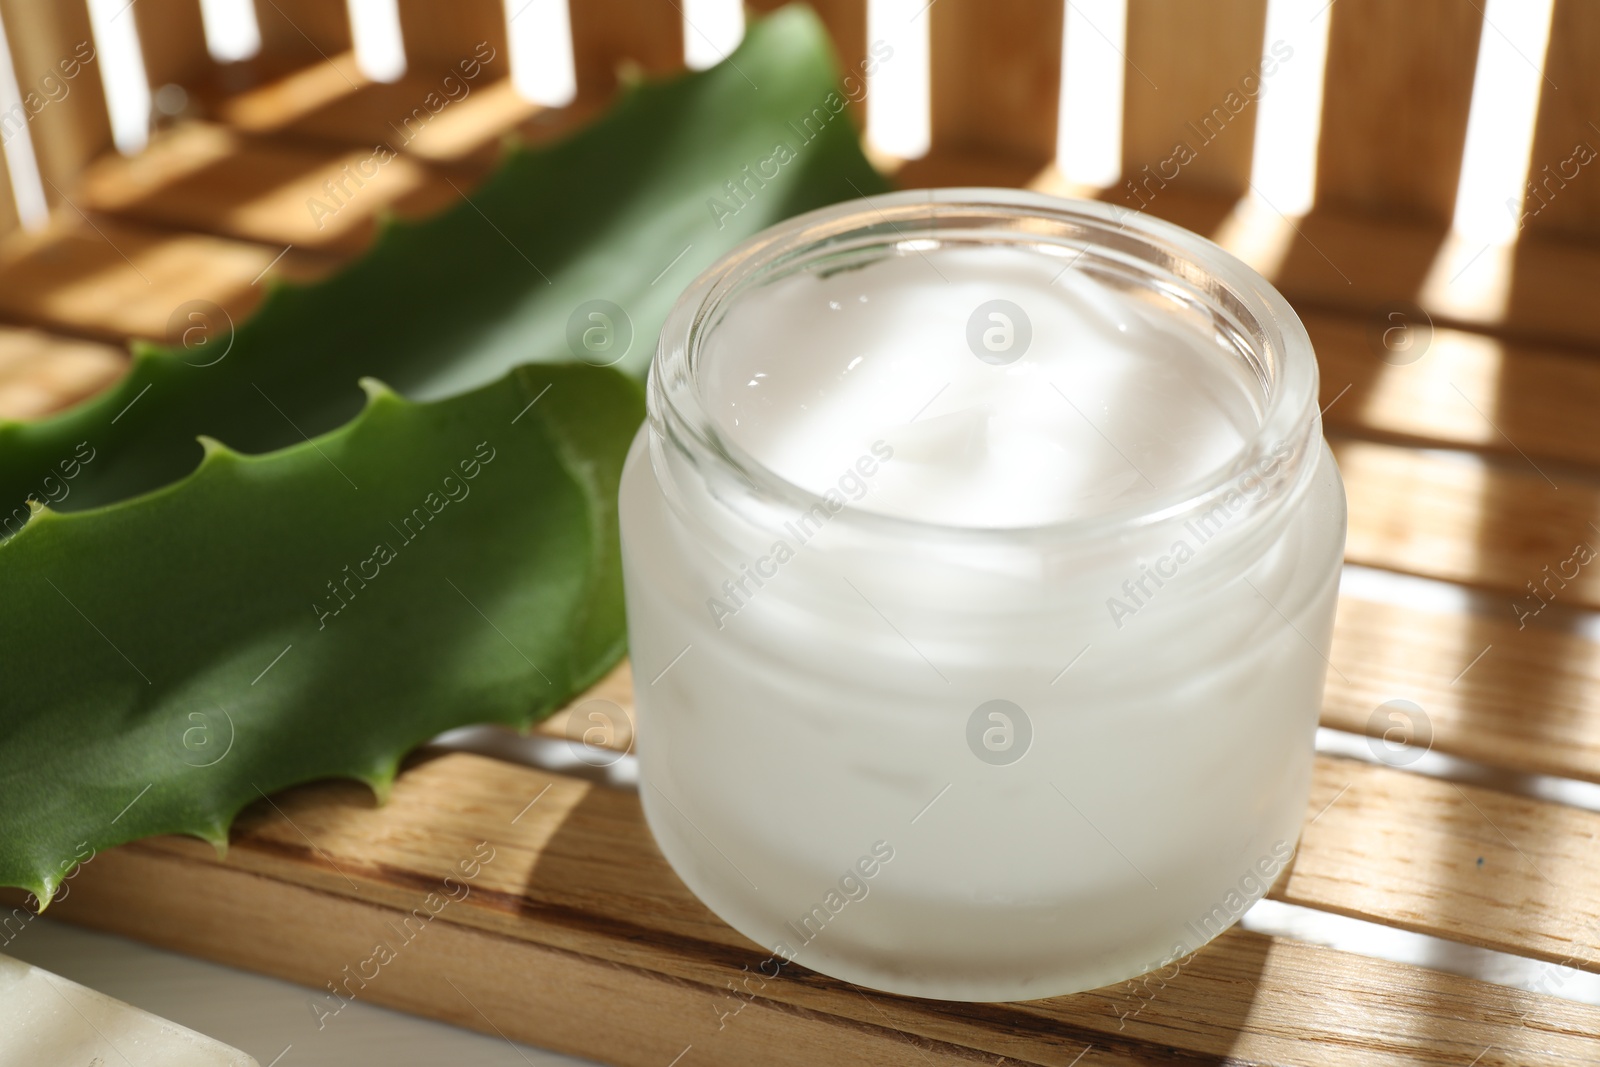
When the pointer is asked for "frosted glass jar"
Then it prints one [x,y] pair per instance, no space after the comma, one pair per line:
[946,691]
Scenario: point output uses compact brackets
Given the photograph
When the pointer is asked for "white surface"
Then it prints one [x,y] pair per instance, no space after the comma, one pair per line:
[49,1020]
[265,1017]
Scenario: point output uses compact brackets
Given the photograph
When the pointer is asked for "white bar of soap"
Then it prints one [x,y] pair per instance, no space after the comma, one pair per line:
[47,1021]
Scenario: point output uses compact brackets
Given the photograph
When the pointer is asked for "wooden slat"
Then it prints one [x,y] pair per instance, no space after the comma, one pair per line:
[1455,861]
[1457,519]
[69,132]
[439,36]
[644,36]
[115,280]
[270,100]
[173,41]
[204,177]
[1567,201]
[1188,81]
[1542,399]
[468,130]
[577,891]
[996,78]
[1352,263]
[1526,700]
[1394,105]
[40,373]
[8,202]
[481,981]
[302,32]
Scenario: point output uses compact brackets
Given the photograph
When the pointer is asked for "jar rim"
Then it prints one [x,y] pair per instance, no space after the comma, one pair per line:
[1280,347]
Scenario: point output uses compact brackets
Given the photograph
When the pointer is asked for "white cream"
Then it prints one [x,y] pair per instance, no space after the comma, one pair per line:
[47,1020]
[1071,792]
[1111,401]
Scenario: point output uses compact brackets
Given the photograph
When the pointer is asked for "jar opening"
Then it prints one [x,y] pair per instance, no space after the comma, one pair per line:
[1036,366]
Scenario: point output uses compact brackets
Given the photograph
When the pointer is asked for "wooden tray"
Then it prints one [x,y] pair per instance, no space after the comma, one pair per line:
[575,935]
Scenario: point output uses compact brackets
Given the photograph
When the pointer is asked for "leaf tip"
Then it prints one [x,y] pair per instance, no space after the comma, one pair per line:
[38,514]
[378,391]
[381,782]
[217,837]
[214,449]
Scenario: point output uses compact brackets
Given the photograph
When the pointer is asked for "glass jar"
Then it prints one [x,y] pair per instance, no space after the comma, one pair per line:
[976,759]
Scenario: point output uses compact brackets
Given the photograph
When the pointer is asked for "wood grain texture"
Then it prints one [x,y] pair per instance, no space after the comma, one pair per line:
[302,32]
[204,177]
[438,36]
[1526,700]
[1356,264]
[1456,861]
[996,77]
[8,203]
[1456,518]
[172,38]
[41,373]
[608,36]
[272,99]
[114,281]
[1565,196]
[577,915]
[1394,105]
[402,115]
[1193,74]
[1542,400]
[49,40]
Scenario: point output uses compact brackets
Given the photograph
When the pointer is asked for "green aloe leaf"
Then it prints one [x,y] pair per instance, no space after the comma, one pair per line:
[311,613]
[628,210]
[196,626]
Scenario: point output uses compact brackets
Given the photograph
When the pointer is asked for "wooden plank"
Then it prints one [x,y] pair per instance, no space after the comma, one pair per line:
[1542,399]
[1397,89]
[8,202]
[1460,520]
[270,100]
[438,36]
[1565,198]
[576,897]
[496,985]
[49,42]
[204,177]
[1455,861]
[114,280]
[40,373]
[996,77]
[413,116]
[1193,74]
[1356,264]
[173,41]
[1525,700]
[634,36]
[302,32]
